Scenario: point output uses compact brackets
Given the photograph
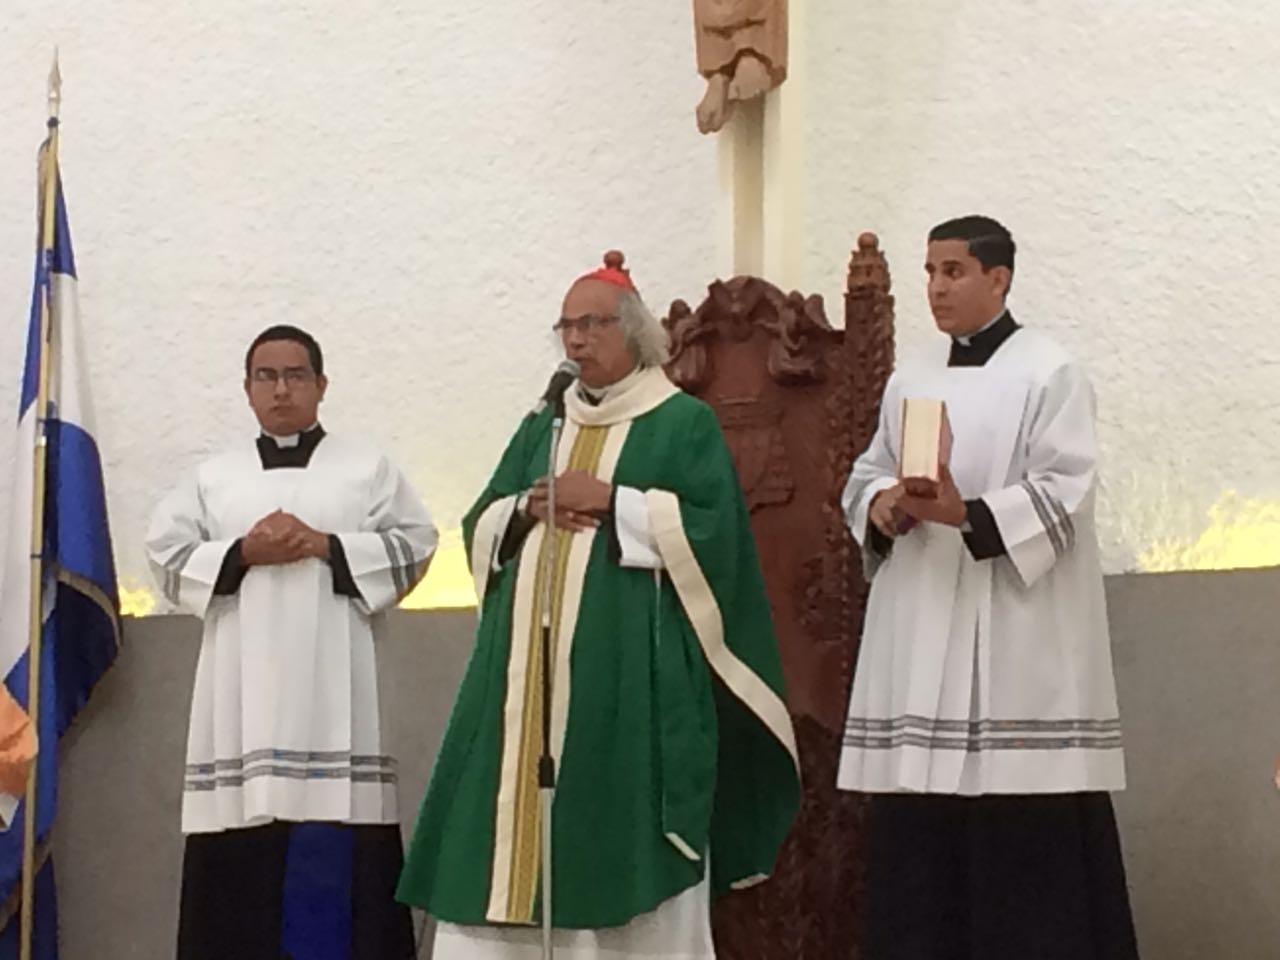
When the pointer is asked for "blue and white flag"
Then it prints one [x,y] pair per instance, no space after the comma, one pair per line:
[81,609]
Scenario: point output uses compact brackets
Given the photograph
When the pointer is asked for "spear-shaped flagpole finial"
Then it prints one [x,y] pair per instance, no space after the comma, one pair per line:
[55,87]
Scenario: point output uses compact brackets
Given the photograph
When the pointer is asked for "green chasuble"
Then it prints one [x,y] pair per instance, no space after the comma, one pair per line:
[673,744]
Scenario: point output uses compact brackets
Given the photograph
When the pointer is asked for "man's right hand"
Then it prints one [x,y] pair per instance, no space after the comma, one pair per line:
[566,519]
[884,512]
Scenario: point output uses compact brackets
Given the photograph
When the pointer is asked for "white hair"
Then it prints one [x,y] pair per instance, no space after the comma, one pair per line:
[646,339]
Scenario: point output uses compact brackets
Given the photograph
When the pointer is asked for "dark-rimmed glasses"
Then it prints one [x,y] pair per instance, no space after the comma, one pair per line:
[589,324]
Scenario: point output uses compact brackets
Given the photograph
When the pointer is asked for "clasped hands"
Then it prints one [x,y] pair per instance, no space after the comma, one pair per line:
[281,537]
[581,500]
[897,509]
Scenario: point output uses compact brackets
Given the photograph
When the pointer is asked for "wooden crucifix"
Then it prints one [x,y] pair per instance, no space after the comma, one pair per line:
[742,53]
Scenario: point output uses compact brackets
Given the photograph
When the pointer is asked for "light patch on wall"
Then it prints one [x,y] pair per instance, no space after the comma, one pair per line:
[448,584]
[1242,532]
[135,599]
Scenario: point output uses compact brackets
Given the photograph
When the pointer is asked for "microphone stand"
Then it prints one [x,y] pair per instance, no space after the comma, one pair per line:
[547,763]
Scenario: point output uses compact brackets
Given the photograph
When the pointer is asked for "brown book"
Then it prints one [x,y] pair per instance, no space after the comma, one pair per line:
[926,445]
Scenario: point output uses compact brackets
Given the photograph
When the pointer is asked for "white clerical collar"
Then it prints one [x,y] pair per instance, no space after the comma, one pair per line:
[631,397]
[968,337]
[289,440]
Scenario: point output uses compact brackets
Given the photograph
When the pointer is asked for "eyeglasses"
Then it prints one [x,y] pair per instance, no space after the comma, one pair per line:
[590,324]
[292,376]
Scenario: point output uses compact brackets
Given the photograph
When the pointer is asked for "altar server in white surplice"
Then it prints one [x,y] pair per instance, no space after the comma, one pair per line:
[290,547]
[983,719]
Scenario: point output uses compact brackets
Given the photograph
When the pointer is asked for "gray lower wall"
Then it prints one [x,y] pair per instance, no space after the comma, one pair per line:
[1198,668]
[1199,673]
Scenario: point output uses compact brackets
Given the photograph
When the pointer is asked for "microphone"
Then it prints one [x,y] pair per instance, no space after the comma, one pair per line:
[565,374]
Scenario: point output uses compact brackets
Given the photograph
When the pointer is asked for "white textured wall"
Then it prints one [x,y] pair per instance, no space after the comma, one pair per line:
[1132,148]
[415,182]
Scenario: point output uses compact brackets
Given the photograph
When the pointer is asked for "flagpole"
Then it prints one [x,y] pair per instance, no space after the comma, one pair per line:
[49,196]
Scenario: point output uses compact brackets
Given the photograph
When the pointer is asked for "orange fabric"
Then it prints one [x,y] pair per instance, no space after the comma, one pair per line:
[17,745]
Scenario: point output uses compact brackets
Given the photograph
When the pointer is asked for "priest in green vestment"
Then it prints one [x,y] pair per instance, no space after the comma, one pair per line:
[677,775]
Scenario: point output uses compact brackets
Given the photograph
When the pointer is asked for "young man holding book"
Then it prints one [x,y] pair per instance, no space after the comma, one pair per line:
[983,719]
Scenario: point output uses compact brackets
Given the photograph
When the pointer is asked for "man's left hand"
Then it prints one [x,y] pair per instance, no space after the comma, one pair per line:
[577,492]
[946,508]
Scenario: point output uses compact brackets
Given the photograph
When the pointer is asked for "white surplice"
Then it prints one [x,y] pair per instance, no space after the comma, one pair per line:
[988,676]
[284,715]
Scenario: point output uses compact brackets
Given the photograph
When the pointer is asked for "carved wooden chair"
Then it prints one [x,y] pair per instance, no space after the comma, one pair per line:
[798,400]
